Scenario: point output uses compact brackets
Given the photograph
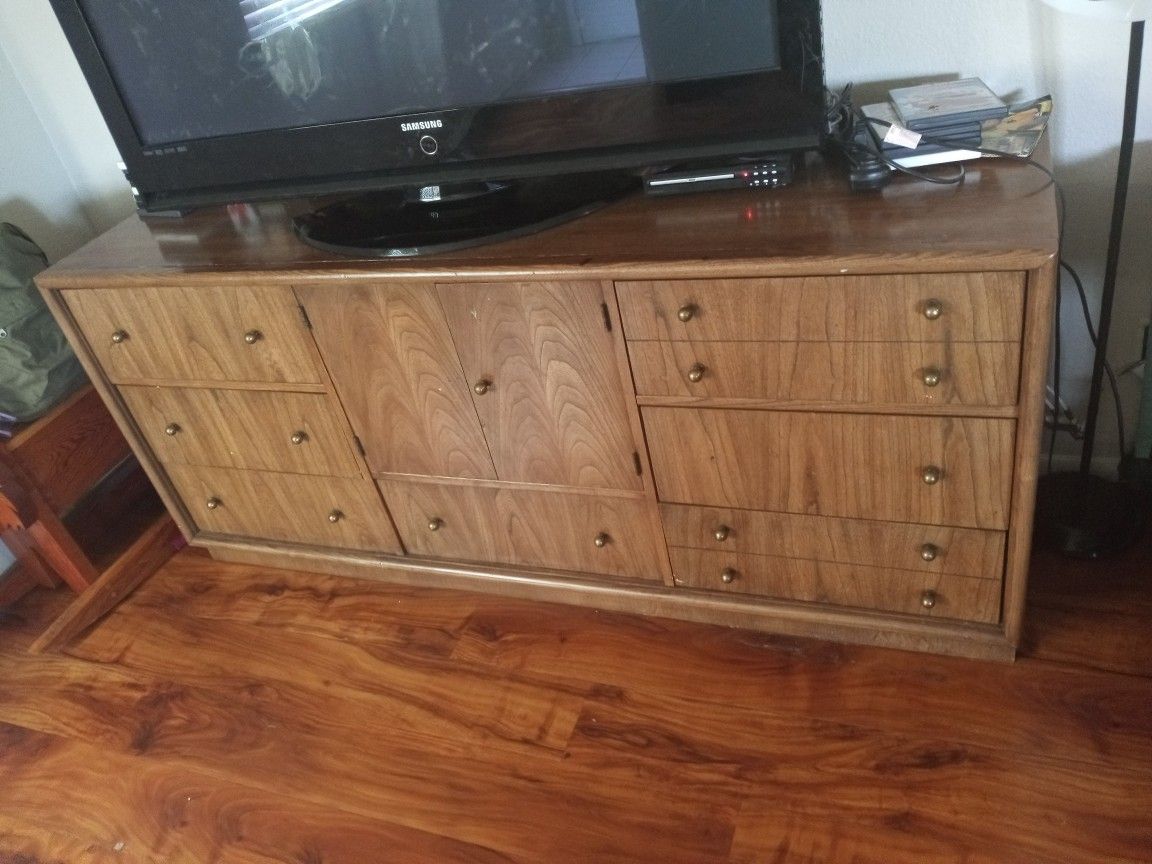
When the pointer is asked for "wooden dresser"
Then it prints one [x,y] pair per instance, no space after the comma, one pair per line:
[805,411]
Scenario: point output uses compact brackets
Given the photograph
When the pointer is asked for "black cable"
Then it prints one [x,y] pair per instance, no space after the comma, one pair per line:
[1055,380]
[1062,210]
[1113,384]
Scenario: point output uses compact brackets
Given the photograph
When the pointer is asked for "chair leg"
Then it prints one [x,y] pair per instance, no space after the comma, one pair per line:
[61,552]
[27,557]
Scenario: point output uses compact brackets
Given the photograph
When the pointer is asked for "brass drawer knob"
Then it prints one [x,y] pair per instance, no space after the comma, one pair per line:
[119,336]
[687,312]
[696,373]
[933,309]
[299,437]
[931,475]
[482,386]
[728,575]
[172,429]
[601,540]
[253,336]
[929,551]
[213,503]
[928,599]
[335,516]
[721,533]
[435,523]
[932,377]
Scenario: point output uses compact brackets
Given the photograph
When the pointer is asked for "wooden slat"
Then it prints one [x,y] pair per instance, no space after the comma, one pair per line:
[134,565]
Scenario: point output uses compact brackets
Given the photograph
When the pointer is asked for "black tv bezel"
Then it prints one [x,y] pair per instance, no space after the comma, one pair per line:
[365,155]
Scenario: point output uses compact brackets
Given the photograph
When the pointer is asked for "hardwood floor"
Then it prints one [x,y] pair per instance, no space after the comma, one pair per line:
[235,714]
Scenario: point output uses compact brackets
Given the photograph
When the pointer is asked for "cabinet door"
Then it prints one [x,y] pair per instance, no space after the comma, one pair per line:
[393,363]
[546,380]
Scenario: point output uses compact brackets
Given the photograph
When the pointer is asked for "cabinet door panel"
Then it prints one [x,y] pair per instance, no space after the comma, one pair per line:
[391,357]
[555,410]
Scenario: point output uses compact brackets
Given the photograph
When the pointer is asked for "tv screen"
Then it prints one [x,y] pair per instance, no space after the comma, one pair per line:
[220,101]
[225,67]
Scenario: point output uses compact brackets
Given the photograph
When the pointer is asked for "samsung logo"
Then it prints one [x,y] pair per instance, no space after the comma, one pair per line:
[421,124]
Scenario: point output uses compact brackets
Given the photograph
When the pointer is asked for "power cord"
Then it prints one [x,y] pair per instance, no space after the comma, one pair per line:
[848,130]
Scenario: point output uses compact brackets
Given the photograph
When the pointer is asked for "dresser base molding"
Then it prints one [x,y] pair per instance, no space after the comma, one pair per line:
[776,617]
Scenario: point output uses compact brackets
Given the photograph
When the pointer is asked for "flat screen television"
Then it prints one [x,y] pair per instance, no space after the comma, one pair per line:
[456,116]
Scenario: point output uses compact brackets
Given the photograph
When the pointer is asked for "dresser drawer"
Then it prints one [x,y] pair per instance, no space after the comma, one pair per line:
[317,511]
[295,433]
[237,335]
[937,470]
[611,536]
[857,373]
[940,595]
[919,548]
[950,307]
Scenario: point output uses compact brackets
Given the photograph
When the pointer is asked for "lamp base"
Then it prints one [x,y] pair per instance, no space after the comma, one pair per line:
[1085,516]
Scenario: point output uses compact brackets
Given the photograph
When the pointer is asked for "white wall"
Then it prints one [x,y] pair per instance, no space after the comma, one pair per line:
[1021,48]
[59,178]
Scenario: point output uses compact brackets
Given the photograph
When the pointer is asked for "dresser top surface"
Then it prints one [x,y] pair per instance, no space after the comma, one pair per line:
[1002,217]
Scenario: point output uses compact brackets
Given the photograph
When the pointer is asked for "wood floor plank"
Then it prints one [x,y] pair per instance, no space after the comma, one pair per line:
[426,699]
[259,737]
[361,610]
[135,809]
[765,760]
[1032,707]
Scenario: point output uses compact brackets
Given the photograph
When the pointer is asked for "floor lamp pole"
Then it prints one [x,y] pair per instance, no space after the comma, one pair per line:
[1115,235]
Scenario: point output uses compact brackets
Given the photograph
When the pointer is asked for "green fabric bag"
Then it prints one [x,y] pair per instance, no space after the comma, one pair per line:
[37,366]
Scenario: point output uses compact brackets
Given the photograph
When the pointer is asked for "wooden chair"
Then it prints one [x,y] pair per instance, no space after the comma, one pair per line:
[51,467]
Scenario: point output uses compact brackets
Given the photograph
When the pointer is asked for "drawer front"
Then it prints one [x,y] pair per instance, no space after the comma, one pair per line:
[882,373]
[917,548]
[530,528]
[950,307]
[938,595]
[318,511]
[848,465]
[295,433]
[238,335]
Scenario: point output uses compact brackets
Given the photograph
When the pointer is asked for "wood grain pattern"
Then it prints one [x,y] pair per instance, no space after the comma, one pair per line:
[181,334]
[293,508]
[533,528]
[555,412]
[885,589]
[855,466]
[410,405]
[975,307]
[70,448]
[246,715]
[246,429]
[875,374]
[961,551]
